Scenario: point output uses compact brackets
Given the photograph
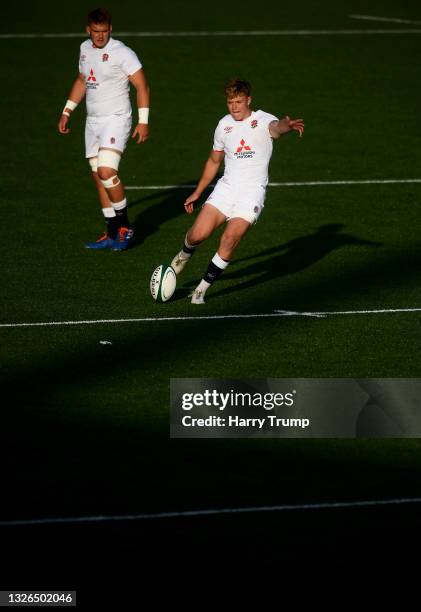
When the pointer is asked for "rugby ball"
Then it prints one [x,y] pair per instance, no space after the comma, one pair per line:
[163,283]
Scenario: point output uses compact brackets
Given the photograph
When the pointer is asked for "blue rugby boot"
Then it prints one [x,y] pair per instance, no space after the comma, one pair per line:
[124,236]
[104,242]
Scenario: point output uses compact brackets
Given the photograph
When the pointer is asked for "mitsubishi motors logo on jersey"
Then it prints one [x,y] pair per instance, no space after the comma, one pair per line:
[244,151]
[243,146]
[91,82]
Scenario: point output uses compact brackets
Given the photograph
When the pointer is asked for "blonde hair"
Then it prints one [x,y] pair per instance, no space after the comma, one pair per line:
[237,87]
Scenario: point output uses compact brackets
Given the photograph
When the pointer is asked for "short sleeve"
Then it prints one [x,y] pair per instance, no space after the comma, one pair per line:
[268,118]
[129,62]
[218,139]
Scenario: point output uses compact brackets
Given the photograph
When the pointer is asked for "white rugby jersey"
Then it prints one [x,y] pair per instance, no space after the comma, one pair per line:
[106,74]
[247,146]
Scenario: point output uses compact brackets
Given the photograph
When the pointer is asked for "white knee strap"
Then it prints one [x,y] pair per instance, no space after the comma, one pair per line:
[111,182]
[110,159]
[93,162]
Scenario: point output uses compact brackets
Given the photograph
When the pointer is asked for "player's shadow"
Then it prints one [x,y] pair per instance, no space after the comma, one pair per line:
[169,203]
[293,256]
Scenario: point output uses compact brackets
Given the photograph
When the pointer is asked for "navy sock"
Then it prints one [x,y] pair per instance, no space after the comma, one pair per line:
[212,273]
[122,217]
[189,250]
[112,227]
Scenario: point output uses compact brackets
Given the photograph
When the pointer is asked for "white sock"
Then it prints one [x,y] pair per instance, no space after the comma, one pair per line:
[108,212]
[218,261]
[119,205]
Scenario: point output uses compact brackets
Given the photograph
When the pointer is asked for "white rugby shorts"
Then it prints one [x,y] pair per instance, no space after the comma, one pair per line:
[110,132]
[245,201]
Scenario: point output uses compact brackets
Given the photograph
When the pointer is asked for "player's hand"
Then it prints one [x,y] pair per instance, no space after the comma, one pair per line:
[189,203]
[62,125]
[141,132]
[295,124]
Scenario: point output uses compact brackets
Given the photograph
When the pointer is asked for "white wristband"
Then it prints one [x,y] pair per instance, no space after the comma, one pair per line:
[143,115]
[69,105]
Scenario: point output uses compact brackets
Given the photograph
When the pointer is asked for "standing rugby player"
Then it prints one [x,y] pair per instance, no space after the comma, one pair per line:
[106,67]
[243,138]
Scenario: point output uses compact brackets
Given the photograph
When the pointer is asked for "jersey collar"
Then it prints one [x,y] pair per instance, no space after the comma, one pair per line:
[247,118]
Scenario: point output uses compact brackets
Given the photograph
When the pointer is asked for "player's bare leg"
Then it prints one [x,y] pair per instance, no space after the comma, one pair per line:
[235,230]
[230,239]
[102,192]
[114,189]
[207,221]
[107,239]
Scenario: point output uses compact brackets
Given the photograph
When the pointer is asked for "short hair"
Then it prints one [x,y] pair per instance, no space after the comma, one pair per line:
[237,87]
[99,15]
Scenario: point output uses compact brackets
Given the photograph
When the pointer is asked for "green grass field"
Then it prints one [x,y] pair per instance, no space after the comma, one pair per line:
[85,428]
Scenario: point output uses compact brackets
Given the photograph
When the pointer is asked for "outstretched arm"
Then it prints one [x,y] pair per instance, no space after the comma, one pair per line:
[209,172]
[138,80]
[76,95]
[285,125]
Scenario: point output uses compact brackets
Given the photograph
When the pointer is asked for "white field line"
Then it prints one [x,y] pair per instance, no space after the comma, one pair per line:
[386,19]
[211,512]
[205,34]
[277,313]
[288,184]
